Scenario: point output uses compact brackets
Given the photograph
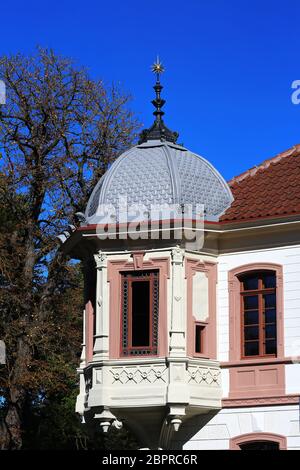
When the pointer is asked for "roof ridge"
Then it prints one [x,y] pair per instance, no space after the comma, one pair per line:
[291,152]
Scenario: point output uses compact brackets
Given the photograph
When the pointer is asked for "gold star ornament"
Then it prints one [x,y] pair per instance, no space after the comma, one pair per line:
[157,67]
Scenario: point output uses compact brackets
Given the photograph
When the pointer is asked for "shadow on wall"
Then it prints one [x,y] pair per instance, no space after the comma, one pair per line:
[190,428]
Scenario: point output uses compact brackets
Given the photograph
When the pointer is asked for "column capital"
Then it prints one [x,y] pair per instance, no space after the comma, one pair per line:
[100,260]
[177,255]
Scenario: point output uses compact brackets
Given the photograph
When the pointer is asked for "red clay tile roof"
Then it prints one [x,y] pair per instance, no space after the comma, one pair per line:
[269,189]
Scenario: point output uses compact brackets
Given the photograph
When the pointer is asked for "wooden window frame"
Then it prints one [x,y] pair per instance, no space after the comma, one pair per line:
[259,292]
[203,325]
[151,349]
[235,353]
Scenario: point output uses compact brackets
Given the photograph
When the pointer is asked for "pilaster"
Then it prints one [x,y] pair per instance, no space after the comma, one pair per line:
[101,337]
[178,327]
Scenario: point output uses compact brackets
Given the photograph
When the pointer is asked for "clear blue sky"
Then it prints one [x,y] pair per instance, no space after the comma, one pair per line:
[229,64]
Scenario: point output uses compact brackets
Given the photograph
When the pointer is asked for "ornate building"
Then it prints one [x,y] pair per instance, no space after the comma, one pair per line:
[191,330]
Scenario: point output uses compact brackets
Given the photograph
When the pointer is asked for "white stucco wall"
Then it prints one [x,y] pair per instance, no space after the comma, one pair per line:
[289,258]
[284,420]
[230,423]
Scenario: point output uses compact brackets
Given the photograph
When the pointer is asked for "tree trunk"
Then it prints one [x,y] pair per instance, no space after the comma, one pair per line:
[4,436]
[11,429]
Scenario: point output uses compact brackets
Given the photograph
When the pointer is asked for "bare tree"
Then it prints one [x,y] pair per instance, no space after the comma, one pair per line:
[59,131]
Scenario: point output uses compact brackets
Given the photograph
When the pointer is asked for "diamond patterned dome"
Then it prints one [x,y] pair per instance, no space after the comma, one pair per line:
[156,172]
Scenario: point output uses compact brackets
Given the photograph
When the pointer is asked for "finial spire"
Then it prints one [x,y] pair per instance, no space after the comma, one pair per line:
[158,68]
[158,131]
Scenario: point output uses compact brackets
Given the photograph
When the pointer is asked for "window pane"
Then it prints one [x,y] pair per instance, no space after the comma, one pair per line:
[251,302]
[140,313]
[270,315]
[251,317]
[269,280]
[271,346]
[250,282]
[199,338]
[260,445]
[251,332]
[269,300]
[270,331]
[252,348]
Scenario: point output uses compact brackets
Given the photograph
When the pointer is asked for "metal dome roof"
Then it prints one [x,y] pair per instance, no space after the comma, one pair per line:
[160,172]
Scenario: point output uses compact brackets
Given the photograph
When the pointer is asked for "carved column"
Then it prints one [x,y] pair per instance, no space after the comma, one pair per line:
[81,397]
[101,343]
[89,294]
[178,393]
[177,333]
[83,344]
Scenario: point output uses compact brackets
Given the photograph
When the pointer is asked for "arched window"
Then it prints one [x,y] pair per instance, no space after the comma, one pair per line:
[258,441]
[258,313]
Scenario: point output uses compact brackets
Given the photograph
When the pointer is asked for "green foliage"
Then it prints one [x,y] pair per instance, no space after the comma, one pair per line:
[52,424]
